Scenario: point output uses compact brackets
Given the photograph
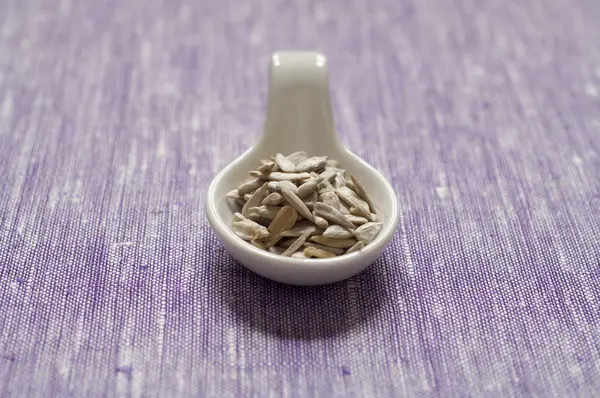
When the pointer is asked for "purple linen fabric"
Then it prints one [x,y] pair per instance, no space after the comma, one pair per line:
[115,115]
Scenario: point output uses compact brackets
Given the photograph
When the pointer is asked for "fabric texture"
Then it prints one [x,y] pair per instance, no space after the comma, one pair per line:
[115,115]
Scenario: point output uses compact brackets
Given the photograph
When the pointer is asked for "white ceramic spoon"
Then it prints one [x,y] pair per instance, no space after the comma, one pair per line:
[299,118]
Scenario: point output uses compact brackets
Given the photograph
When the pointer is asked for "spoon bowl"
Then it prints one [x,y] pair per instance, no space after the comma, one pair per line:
[299,118]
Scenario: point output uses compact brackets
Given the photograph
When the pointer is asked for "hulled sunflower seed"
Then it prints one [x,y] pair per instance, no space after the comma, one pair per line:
[295,201]
[285,164]
[360,190]
[331,214]
[259,174]
[255,200]
[357,246]
[356,220]
[238,217]
[249,230]
[332,163]
[284,220]
[279,176]
[330,199]
[318,253]
[339,243]
[257,244]
[233,194]
[299,254]
[334,250]
[268,212]
[297,157]
[285,243]
[267,167]
[311,200]
[320,221]
[302,227]
[277,185]
[296,245]
[308,187]
[339,181]
[276,250]
[273,199]
[367,232]
[249,186]
[311,164]
[344,209]
[361,212]
[328,175]
[337,232]
[353,200]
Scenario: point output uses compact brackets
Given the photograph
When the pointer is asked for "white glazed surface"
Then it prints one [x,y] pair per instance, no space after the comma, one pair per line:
[299,119]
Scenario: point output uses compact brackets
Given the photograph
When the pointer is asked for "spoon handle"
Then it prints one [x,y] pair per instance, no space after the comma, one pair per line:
[299,116]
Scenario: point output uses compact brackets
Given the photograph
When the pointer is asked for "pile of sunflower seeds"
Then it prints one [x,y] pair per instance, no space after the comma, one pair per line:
[304,207]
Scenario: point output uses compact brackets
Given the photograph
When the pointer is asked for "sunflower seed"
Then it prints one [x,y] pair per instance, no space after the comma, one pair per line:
[325,185]
[308,187]
[233,194]
[279,176]
[352,199]
[334,250]
[330,199]
[259,220]
[286,243]
[241,202]
[296,244]
[311,164]
[336,170]
[337,232]
[267,167]
[361,212]
[295,201]
[238,217]
[356,220]
[285,165]
[360,190]
[332,163]
[257,244]
[313,174]
[277,185]
[284,220]
[339,243]
[249,230]
[339,181]
[328,175]
[297,157]
[299,254]
[344,209]
[357,246]
[268,212]
[256,199]
[311,200]
[318,253]
[275,250]
[250,186]
[320,221]
[259,174]
[302,227]
[331,214]
[350,185]
[367,232]
[273,199]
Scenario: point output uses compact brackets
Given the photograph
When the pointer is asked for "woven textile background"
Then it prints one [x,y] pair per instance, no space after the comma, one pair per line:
[115,115]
